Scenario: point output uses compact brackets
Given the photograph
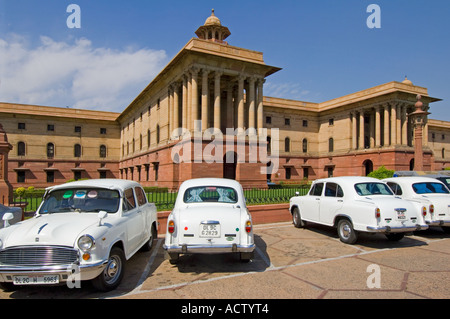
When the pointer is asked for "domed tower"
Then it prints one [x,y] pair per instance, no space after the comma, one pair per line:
[213,30]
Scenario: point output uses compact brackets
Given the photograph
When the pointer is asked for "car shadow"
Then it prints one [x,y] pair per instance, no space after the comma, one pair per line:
[371,240]
[225,262]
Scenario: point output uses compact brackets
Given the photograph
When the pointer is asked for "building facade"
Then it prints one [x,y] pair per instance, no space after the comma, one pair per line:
[205,115]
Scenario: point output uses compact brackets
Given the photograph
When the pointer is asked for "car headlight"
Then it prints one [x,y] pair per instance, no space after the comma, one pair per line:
[86,242]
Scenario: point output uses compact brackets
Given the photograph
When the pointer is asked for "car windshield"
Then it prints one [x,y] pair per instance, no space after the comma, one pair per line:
[80,200]
[366,189]
[217,194]
[429,188]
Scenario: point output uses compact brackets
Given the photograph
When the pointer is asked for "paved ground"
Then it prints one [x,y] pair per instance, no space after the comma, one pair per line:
[289,263]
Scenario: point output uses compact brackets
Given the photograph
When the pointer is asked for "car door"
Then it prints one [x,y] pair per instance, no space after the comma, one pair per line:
[145,212]
[310,209]
[134,221]
[331,203]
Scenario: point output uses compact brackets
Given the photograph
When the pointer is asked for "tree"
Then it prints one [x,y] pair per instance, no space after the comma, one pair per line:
[381,173]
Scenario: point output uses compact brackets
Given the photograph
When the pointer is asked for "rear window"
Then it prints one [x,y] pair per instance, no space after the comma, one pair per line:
[217,194]
[429,188]
[366,189]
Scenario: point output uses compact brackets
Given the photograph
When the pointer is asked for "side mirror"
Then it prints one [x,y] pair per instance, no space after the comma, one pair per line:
[6,218]
[101,215]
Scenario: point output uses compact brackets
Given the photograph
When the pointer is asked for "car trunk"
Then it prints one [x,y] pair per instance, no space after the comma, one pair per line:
[203,224]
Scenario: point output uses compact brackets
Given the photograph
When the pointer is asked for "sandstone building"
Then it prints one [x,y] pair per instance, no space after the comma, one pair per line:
[208,105]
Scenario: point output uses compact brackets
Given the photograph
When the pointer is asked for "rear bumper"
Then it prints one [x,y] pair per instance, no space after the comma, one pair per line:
[438,222]
[209,249]
[397,229]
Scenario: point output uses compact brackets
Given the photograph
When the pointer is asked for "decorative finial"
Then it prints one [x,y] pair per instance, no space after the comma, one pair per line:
[419,103]
[212,12]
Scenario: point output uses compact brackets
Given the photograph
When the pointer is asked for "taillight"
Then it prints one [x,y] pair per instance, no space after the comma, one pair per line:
[424,211]
[171,226]
[248,226]
[377,213]
[431,209]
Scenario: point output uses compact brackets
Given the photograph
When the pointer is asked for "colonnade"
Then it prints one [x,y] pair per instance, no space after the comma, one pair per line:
[206,97]
[382,125]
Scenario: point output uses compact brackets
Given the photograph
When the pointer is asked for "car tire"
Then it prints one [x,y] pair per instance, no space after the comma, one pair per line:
[150,243]
[346,232]
[112,275]
[297,218]
[395,236]
[173,258]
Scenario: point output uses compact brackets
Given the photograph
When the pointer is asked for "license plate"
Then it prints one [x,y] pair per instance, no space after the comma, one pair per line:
[36,280]
[209,230]
[401,215]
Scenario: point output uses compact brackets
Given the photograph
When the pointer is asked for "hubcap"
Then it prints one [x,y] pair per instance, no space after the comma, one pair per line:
[346,231]
[112,270]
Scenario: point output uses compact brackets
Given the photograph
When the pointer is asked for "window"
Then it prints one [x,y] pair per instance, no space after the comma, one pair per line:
[50,150]
[288,172]
[102,130]
[395,188]
[102,151]
[316,190]
[287,144]
[77,129]
[305,123]
[217,194]
[287,121]
[333,190]
[366,189]
[21,126]
[305,172]
[156,169]
[430,188]
[330,145]
[148,138]
[128,201]
[20,176]
[142,200]
[77,150]
[77,175]
[268,120]
[157,134]
[50,176]
[331,122]
[21,149]
[269,144]
[305,145]
[50,127]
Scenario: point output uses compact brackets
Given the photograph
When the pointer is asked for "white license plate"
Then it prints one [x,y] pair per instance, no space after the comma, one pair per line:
[401,215]
[209,230]
[36,280]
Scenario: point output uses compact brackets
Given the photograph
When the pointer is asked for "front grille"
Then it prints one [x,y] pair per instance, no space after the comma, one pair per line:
[38,256]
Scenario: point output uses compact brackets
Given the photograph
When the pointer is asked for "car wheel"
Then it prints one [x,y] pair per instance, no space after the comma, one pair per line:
[297,218]
[395,236]
[149,244]
[346,232]
[173,258]
[112,275]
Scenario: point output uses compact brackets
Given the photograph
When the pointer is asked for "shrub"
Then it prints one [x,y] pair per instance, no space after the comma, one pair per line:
[381,173]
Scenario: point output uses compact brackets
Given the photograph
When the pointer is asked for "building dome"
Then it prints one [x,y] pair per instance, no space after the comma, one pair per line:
[406,81]
[213,20]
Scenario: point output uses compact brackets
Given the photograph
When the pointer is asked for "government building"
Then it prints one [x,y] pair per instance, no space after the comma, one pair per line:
[205,115]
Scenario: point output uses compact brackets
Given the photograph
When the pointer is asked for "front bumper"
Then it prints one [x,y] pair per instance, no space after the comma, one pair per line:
[81,272]
[209,249]
[396,229]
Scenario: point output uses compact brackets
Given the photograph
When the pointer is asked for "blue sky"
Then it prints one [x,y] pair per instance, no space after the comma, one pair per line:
[324,47]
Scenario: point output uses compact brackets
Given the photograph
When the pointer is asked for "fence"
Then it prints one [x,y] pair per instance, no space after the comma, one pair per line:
[166,200]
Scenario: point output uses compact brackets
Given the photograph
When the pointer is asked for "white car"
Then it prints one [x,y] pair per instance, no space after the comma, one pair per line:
[356,204]
[83,230]
[209,216]
[430,192]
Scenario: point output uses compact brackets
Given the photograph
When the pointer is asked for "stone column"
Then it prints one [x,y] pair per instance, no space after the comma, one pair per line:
[361,130]
[393,124]
[372,130]
[240,122]
[386,125]
[176,101]
[184,103]
[404,125]
[230,106]
[260,108]
[354,131]
[205,93]
[194,100]
[189,119]
[217,118]
[377,126]
[251,108]
[6,189]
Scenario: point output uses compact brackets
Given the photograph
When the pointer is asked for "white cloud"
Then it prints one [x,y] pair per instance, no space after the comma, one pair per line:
[74,74]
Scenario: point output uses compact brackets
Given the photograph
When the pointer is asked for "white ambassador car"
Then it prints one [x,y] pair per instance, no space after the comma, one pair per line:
[209,216]
[82,230]
[430,192]
[356,204]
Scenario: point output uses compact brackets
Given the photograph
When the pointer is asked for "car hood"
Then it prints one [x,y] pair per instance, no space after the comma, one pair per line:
[52,229]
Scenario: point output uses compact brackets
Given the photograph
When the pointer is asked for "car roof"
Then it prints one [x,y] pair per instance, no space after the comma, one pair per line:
[411,179]
[110,183]
[209,181]
[348,179]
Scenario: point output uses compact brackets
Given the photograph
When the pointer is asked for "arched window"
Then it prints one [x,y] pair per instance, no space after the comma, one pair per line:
[102,151]
[287,144]
[305,145]
[330,145]
[21,149]
[77,150]
[50,150]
